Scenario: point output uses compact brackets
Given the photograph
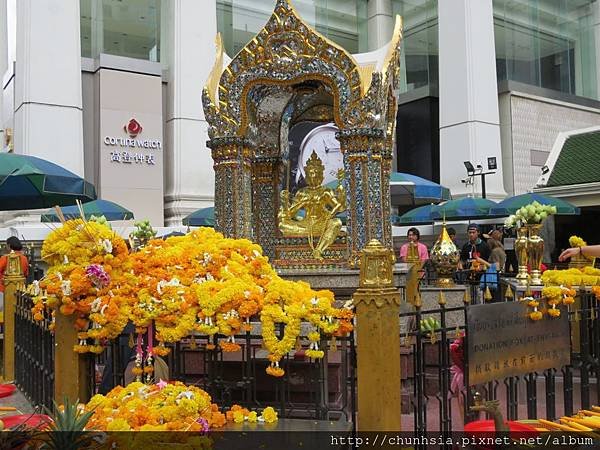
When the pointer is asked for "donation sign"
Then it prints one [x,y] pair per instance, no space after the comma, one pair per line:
[503,341]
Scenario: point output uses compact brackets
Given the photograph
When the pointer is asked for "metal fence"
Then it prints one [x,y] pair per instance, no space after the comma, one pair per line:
[34,354]
[315,389]
[326,389]
[551,394]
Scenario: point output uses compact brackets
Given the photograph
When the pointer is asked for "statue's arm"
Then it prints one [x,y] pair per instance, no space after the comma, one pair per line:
[331,200]
[299,202]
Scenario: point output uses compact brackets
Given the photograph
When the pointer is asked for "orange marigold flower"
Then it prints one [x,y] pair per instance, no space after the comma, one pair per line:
[535,315]
[568,300]
[275,371]
[553,312]
[229,346]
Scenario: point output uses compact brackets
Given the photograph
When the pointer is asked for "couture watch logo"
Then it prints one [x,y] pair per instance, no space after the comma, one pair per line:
[132,128]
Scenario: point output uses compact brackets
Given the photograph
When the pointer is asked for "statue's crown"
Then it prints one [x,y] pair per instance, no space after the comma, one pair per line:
[315,162]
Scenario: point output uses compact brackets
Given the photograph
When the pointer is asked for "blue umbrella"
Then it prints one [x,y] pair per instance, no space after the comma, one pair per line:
[408,189]
[464,208]
[422,215]
[110,210]
[204,217]
[510,205]
[27,182]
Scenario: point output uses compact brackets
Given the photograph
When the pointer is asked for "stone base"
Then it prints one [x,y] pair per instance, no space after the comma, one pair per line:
[343,282]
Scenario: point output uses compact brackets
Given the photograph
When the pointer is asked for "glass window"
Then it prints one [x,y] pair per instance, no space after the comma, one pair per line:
[128,28]
[547,43]
[420,44]
[342,21]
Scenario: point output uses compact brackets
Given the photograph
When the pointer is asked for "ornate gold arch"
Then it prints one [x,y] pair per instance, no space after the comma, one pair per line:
[285,53]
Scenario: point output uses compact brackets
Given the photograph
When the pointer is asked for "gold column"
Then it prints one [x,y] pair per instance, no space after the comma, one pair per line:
[13,281]
[377,304]
[71,374]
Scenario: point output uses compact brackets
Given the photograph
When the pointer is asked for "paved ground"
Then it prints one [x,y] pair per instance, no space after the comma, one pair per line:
[18,401]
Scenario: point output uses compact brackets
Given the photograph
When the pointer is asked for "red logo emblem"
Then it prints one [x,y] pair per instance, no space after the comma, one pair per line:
[132,128]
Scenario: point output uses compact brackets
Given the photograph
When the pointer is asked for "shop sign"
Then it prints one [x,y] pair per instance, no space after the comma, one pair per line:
[503,341]
[132,129]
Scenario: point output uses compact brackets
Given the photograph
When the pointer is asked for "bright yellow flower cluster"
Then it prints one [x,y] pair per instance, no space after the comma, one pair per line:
[158,407]
[201,282]
[587,276]
[555,295]
[576,241]
[238,414]
[71,250]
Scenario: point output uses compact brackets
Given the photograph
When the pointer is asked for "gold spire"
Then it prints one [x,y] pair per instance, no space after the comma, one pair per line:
[214,77]
[315,161]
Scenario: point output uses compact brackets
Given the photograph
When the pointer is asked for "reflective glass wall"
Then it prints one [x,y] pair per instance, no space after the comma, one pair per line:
[128,28]
[420,20]
[548,43]
[342,21]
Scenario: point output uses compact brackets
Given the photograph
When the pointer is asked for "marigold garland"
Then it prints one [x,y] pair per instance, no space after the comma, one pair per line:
[533,303]
[201,282]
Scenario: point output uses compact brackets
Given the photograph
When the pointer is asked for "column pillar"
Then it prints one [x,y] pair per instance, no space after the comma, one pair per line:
[233,186]
[3,64]
[380,23]
[377,304]
[367,161]
[97,28]
[192,27]
[469,117]
[48,103]
[13,281]
[71,371]
[265,190]
[596,43]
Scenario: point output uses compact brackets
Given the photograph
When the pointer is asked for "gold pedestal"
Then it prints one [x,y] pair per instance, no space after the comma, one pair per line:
[378,342]
[13,281]
[71,374]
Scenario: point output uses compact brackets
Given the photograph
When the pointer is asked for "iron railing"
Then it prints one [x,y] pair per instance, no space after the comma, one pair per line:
[565,390]
[34,354]
[315,389]
[326,389]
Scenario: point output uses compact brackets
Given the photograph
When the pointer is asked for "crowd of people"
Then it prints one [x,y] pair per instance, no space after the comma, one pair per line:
[480,250]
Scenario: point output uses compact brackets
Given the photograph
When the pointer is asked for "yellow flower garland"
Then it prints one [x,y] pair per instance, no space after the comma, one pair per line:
[201,282]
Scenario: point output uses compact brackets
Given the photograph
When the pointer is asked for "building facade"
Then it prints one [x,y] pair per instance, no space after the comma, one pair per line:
[111,89]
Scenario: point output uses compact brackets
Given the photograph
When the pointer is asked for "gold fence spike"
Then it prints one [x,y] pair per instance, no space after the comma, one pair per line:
[509,293]
[298,345]
[333,345]
[467,296]
[432,337]
[441,298]
[488,294]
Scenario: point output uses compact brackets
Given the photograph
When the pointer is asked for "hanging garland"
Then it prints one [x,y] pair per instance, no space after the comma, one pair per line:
[199,283]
